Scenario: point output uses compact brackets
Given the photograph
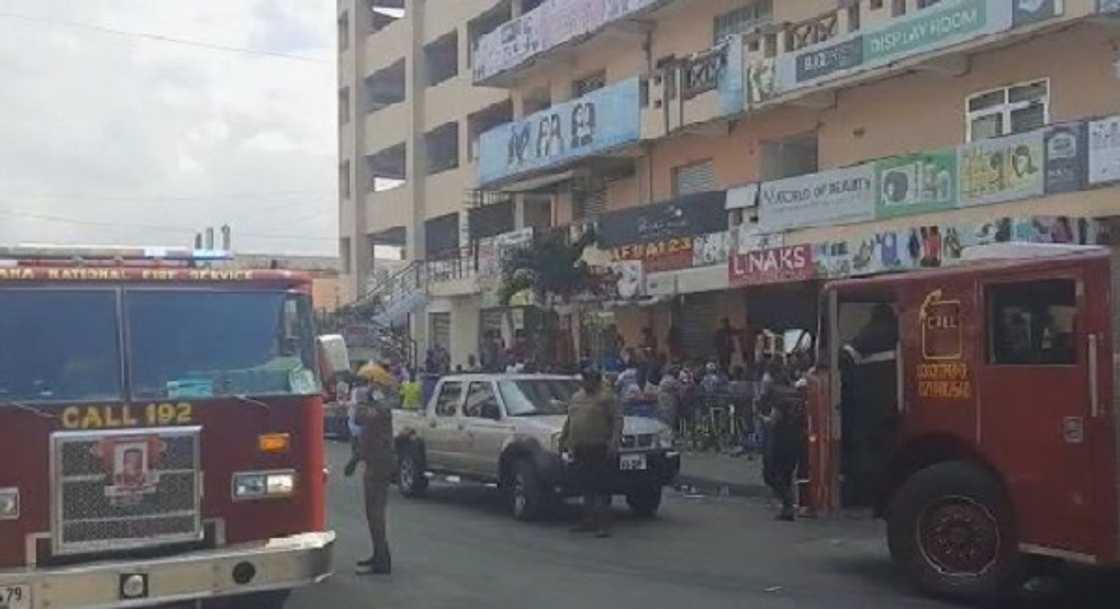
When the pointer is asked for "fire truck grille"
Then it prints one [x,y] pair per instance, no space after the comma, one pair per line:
[117,490]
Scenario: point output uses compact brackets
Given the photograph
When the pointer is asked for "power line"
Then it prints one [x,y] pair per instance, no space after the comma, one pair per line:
[167,39]
[155,227]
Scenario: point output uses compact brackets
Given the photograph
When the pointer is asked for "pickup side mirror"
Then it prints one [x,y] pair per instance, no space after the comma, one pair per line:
[491,411]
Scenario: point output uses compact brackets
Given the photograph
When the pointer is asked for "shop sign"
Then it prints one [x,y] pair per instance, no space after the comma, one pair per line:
[1104,149]
[668,255]
[816,63]
[916,183]
[947,23]
[1066,148]
[1001,169]
[603,119]
[1035,11]
[685,216]
[775,265]
[710,249]
[747,238]
[838,196]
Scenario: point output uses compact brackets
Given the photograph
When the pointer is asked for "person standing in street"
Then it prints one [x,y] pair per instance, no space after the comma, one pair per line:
[592,435]
[724,343]
[375,418]
[782,415]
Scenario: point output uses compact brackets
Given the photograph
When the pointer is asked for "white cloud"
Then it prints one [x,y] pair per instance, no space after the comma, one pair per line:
[143,141]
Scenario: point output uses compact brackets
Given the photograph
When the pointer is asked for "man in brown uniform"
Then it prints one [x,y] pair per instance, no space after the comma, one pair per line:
[592,434]
[376,450]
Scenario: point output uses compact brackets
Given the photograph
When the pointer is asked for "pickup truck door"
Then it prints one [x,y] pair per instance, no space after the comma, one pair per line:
[485,428]
[444,438]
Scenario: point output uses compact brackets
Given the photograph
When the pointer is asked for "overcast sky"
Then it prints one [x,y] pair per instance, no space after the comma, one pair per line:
[108,138]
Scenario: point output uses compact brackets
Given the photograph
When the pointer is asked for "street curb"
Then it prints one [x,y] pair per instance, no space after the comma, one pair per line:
[722,487]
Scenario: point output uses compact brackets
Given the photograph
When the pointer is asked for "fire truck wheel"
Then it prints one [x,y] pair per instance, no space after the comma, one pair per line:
[951,527]
[410,473]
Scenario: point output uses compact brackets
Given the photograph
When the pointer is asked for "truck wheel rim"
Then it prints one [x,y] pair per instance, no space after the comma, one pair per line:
[958,536]
[406,472]
[519,499]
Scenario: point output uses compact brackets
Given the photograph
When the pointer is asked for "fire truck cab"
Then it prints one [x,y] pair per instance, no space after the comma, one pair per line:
[975,409]
[160,431]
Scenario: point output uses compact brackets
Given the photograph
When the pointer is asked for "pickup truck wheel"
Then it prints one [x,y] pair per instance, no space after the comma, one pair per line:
[526,495]
[644,502]
[410,474]
[951,528]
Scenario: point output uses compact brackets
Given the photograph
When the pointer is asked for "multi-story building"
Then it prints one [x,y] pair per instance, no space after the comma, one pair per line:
[730,154]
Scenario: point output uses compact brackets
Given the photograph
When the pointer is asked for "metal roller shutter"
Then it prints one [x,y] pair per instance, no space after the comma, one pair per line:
[440,324]
[697,177]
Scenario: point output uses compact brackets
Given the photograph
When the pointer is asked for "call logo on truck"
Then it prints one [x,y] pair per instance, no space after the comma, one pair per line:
[116,417]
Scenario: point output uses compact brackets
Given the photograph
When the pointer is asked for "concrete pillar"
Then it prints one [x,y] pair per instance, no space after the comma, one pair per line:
[416,78]
[354,224]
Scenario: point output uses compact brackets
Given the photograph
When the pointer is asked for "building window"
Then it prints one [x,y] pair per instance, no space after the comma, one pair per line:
[694,177]
[789,157]
[344,32]
[344,179]
[742,20]
[344,254]
[442,58]
[442,147]
[1015,109]
[344,106]
[587,84]
[1032,323]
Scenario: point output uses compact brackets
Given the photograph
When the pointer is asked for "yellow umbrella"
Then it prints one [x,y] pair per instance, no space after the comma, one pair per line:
[375,373]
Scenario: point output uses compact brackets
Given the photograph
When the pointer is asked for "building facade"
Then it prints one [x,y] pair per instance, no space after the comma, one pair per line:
[729,154]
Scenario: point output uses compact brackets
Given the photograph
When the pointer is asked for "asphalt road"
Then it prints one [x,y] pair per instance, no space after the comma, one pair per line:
[458,549]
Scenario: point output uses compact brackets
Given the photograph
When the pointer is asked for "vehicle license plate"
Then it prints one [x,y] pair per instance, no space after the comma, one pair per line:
[15,597]
[629,463]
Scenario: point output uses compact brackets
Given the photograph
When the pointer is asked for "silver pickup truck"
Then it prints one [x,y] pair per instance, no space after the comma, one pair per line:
[505,429]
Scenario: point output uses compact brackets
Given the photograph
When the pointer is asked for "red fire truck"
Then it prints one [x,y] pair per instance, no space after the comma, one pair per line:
[977,410]
[160,431]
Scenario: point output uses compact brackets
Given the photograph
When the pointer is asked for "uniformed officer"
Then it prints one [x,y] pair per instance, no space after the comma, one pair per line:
[592,435]
[375,417]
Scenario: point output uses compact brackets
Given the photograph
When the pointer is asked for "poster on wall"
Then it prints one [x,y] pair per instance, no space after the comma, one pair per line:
[710,249]
[761,80]
[1001,169]
[838,196]
[774,265]
[509,45]
[1104,150]
[916,183]
[1066,150]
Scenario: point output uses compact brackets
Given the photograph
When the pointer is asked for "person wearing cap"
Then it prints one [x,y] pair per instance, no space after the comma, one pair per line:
[591,435]
[374,417]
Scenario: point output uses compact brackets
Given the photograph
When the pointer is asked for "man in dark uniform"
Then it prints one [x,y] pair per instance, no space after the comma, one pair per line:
[783,415]
[376,450]
[592,435]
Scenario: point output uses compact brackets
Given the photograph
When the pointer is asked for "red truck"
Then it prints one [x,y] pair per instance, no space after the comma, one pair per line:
[977,409]
[160,432]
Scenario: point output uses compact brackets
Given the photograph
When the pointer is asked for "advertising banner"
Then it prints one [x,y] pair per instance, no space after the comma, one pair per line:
[1067,151]
[1035,11]
[762,80]
[839,196]
[1104,150]
[916,183]
[601,120]
[1002,169]
[508,46]
[563,21]
[710,249]
[838,57]
[946,23]
[686,216]
[667,255]
[775,265]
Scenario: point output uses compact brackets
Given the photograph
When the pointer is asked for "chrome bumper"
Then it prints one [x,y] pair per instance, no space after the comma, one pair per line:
[277,564]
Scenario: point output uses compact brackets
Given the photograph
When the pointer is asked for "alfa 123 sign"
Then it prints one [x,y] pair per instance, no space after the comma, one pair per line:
[774,265]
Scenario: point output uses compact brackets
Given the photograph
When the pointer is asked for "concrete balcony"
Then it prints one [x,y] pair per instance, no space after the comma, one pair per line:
[697,93]
[389,124]
[555,24]
[807,61]
[604,122]
[386,46]
[388,209]
[452,99]
[445,191]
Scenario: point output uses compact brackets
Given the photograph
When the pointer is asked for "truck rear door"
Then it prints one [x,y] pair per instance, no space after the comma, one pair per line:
[1035,403]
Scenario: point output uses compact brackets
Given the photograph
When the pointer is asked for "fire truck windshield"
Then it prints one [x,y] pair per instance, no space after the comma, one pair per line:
[59,345]
[202,344]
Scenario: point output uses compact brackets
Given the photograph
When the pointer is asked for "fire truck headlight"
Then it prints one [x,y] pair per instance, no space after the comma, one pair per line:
[9,503]
[263,485]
